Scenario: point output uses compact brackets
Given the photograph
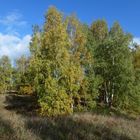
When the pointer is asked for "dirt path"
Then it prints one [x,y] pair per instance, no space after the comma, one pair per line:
[16,121]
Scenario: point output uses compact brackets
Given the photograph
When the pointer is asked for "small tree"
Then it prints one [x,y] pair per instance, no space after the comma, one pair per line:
[5,73]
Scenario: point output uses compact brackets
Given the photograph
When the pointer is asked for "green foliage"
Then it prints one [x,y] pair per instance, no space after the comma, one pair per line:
[51,71]
[84,98]
[5,73]
[88,65]
[113,62]
[25,89]
[21,70]
[60,80]
[100,30]
[74,67]
[22,77]
[136,63]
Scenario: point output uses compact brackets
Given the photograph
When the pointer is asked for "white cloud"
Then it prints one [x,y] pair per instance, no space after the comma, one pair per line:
[11,42]
[14,46]
[12,22]
[13,18]
[137,40]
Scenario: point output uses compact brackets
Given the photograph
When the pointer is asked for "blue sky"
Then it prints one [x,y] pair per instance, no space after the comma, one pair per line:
[18,16]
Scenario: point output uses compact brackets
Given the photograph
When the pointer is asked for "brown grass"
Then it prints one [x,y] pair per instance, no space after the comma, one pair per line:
[16,125]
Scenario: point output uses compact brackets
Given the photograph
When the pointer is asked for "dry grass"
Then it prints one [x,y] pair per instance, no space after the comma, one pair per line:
[15,125]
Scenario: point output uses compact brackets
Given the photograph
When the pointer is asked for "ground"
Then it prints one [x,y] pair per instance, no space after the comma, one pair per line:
[19,122]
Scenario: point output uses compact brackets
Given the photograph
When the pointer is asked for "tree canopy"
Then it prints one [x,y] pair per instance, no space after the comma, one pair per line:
[75,67]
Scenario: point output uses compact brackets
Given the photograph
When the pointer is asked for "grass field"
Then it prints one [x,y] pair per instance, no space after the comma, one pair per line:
[19,122]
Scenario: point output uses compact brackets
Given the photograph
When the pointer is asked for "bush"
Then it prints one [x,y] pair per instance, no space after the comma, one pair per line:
[26,89]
